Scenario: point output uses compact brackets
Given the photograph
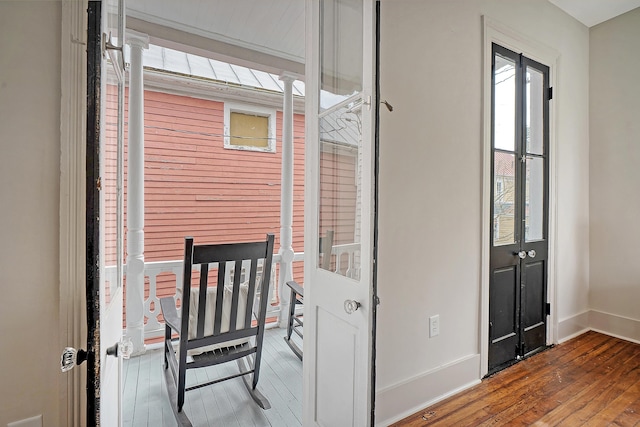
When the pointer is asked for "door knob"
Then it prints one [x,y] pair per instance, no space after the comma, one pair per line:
[532,253]
[71,358]
[522,254]
[123,348]
[350,306]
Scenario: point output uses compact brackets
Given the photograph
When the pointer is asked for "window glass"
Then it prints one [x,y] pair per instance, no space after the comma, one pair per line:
[249,127]
[504,117]
[504,193]
[535,112]
[248,130]
[534,199]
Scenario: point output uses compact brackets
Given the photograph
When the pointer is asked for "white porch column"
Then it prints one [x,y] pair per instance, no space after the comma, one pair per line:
[286,200]
[135,195]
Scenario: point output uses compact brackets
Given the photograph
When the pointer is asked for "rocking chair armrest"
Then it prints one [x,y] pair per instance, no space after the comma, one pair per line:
[170,314]
[296,287]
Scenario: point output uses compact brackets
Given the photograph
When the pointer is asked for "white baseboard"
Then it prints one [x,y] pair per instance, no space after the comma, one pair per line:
[573,326]
[617,326]
[592,320]
[398,401]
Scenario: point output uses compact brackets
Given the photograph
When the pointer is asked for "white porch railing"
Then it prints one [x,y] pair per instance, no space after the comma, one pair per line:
[346,261]
[154,327]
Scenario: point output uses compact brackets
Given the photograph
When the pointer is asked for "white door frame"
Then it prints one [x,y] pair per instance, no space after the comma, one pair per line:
[73,112]
[496,32]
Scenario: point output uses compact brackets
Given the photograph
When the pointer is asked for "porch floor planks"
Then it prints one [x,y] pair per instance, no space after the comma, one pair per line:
[288,369]
[146,403]
[592,380]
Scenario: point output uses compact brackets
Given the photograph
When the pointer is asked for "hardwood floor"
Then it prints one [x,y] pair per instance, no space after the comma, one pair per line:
[591,380]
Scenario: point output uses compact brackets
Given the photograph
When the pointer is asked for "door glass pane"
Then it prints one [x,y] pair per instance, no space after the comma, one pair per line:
[534,199]
[112,186]
[340,128]
[114,28]
[504,193]
[504,96]
[340,51]
[534,112]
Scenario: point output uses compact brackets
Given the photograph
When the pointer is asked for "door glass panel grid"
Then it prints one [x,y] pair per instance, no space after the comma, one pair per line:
[340,133]
[506,133]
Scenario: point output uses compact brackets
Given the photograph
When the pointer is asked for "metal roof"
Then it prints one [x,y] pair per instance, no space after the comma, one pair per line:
[173,61]
[340,126]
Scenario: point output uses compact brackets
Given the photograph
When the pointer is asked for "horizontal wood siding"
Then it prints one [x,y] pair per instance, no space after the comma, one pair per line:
[196,187]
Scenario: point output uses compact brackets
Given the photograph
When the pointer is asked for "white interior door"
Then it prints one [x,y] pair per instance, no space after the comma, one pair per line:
[111,211]
[340,130]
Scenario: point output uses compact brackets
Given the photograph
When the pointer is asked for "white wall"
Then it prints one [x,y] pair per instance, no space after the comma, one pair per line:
[615,173]
[29,217]
[431,187]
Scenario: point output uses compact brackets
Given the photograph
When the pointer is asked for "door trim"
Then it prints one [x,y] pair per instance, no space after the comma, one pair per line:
[72,204]
[92,215]
[496,32]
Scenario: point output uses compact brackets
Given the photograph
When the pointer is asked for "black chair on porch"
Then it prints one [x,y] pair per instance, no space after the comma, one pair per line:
[295,323]
[217,323]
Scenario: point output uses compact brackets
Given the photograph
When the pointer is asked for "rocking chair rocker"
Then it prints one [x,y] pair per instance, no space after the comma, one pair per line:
[216,323]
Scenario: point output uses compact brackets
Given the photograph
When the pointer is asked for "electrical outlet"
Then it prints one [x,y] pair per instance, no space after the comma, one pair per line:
[434,326]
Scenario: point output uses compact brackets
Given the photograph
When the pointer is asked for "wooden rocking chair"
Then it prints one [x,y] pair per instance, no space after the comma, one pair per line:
[216,323]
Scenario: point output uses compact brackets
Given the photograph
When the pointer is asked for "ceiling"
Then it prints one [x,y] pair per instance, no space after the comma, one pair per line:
[593,12]
[269,34]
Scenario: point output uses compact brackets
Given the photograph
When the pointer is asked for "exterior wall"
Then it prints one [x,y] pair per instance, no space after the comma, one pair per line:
[614,173]
[196,187]
[29,220]
[193,185]
[431,170]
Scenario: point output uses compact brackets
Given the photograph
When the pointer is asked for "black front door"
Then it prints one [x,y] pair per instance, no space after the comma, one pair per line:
[519,208]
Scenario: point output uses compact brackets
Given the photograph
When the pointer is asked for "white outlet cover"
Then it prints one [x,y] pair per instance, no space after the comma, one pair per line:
[434,326]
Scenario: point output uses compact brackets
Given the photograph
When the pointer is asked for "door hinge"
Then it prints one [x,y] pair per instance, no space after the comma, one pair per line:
[548,308]
[550,95]
[99,184]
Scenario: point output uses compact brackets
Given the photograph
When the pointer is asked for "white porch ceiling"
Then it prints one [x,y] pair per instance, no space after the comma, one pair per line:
[270,31]
[593,12]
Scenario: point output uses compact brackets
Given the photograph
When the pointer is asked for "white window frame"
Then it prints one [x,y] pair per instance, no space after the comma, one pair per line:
[270,113]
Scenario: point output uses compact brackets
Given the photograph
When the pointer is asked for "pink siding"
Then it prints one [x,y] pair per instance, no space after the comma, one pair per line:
[196,187]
